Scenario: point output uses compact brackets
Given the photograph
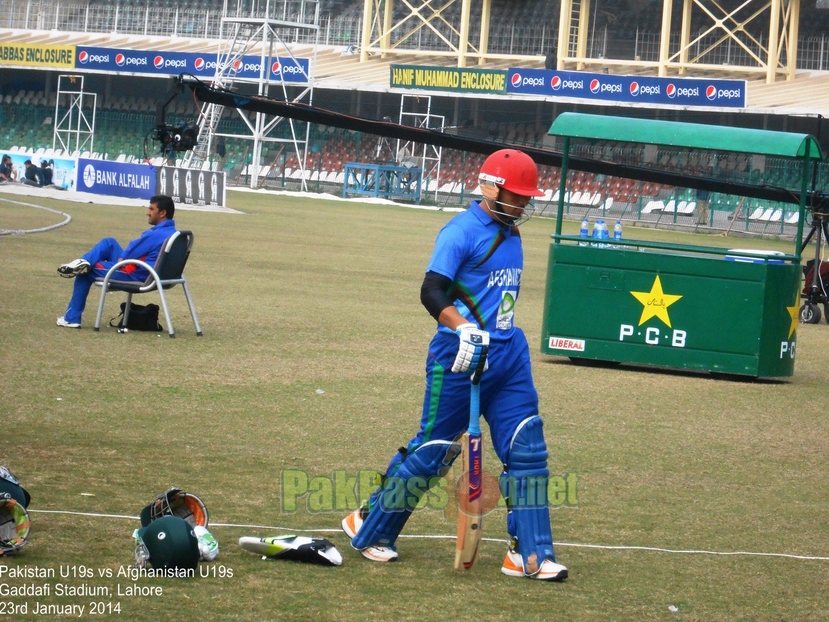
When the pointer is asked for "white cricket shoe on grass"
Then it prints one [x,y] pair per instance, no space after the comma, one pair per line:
[62,322]
[73,268]
[550,571]
[351,525]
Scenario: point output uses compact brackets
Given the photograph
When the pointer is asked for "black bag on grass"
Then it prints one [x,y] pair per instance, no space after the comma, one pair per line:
[142,317]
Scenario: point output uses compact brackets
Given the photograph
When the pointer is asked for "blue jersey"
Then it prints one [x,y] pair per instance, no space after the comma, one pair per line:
[147,247]
[484,260]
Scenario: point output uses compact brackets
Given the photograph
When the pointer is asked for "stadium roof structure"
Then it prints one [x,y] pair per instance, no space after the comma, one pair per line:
[340,68]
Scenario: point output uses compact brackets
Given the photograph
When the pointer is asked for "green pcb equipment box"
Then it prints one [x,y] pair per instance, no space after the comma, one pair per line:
[670,305]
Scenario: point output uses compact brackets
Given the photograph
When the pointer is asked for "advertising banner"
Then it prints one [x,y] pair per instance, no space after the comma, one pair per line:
[701,92]
[135,181]
[63,169]
[191,187]
[173,63]
[64,172]
[33,55]
[448,79]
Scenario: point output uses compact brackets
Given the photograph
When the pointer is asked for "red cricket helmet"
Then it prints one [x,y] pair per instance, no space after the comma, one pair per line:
[512,170]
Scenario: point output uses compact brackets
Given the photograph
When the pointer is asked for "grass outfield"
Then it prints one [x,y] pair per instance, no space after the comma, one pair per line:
[312,363]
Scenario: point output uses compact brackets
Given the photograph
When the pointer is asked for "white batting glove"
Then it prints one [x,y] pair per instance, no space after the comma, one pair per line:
[471,358]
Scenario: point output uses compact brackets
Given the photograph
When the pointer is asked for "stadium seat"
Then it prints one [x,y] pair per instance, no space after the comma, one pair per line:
[653,206]
[168,272]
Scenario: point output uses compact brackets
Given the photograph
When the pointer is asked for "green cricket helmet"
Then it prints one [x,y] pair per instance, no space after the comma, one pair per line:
[11,485]
[167,543]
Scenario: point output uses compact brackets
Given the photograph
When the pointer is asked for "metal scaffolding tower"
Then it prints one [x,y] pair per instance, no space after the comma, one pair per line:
[254,55]
[416,111]
[73,131]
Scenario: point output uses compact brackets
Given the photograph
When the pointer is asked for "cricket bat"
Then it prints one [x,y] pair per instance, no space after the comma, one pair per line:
[470,488]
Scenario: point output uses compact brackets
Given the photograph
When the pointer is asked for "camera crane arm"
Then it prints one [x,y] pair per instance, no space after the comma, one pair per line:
[312,114]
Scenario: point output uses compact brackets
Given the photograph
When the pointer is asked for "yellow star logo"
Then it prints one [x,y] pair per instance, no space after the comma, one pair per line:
[795,313]
[655,303]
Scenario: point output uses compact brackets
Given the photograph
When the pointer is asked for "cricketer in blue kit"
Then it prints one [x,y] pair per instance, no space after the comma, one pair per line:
[470,288]
[106,253]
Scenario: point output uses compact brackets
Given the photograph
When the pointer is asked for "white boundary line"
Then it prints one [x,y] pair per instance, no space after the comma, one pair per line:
[606,547]
[66,220]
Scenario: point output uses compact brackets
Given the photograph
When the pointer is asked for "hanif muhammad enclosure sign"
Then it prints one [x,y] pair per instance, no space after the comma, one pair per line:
[458,80]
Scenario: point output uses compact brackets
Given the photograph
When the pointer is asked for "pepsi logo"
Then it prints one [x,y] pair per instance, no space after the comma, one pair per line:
[555,83]
[711,92]
[237,64]
[516,79]
[83,57]
[199,64]
[158,62]
[670,91]
[595,86]
[276,67]
[120,59]
[634,88]
[727,93]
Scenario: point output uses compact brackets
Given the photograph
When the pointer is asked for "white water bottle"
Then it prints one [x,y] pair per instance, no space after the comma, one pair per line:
[617,233]
[583,231]
[600,233]
[597,232]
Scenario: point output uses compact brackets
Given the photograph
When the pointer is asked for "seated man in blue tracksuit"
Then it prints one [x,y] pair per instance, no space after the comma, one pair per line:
[106,253]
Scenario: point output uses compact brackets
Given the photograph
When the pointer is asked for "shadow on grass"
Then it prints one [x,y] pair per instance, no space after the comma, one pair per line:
[666,371]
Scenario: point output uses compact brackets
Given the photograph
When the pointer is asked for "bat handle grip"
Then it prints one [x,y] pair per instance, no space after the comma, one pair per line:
[474,408]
